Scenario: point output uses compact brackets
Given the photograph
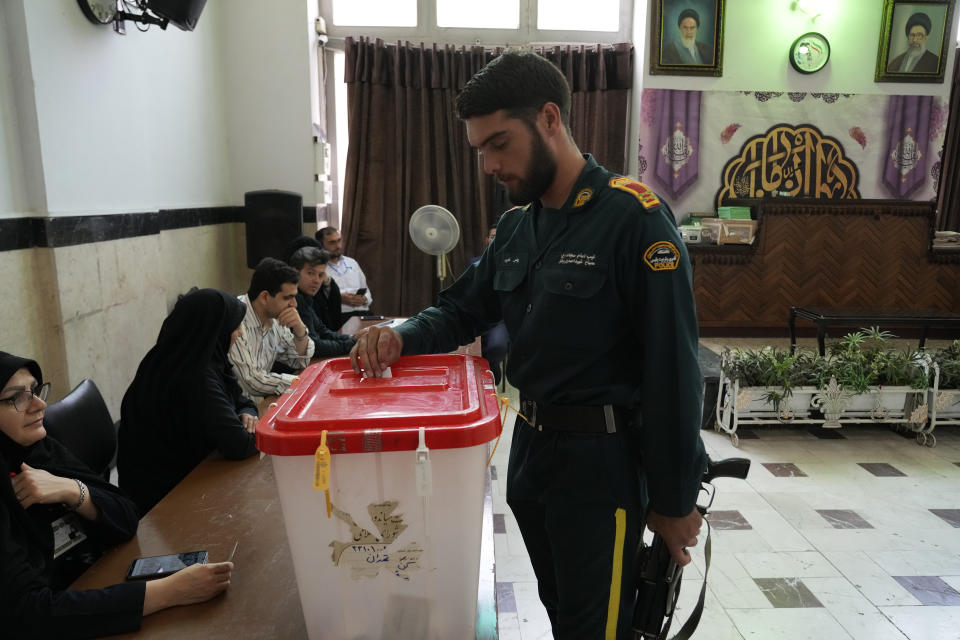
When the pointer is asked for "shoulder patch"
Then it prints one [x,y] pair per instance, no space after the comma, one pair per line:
[638,190]
[583,197]
[662,256]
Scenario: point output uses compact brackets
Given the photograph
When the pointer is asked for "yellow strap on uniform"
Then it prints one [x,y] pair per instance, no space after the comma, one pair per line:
[613,607]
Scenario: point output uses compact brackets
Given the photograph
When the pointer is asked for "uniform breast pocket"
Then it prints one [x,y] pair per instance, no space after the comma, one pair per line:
[506,280]
[577,283]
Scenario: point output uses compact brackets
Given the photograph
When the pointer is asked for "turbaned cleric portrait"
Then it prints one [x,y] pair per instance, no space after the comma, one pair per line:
[686,47]
[917,58]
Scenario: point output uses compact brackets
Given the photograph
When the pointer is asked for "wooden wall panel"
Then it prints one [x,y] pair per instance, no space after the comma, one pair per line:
[850,254]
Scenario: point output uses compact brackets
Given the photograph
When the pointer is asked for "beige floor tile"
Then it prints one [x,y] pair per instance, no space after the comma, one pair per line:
[714,620]
[788,624]
[854,564]
[916,562]
[534,624]
[787,564]
[776,532]
[734,588]
[926,623]
[884,591]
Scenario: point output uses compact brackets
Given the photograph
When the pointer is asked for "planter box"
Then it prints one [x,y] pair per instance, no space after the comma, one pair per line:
[946,401]
[878,403]
[752,401]
[892,404]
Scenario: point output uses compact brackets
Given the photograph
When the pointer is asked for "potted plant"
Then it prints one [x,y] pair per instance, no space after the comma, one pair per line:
[866,378]
[945,391]
[766,385]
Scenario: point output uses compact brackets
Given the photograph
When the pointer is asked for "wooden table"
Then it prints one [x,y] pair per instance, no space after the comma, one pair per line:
[825,317]
[222,502]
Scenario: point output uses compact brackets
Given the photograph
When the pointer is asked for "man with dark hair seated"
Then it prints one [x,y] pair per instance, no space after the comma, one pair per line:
[312,264]
[272,330]
[327,301]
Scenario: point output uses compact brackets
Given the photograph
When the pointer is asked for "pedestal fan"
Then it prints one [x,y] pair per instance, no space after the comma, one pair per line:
[435,231]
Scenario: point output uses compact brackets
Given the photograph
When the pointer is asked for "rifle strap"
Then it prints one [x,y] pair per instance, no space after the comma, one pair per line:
[691,624]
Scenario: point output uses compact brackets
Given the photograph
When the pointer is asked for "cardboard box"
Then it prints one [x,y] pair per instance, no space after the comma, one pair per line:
[734,213]
[737,231]
[709,230]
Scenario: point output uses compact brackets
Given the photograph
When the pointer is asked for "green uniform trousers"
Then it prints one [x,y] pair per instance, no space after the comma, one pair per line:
[579,501]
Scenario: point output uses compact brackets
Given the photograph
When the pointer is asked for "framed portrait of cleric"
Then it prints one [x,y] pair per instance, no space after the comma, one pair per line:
[687,37]
[914,40]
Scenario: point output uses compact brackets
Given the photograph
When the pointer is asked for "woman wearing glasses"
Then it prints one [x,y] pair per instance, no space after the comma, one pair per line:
[56,518]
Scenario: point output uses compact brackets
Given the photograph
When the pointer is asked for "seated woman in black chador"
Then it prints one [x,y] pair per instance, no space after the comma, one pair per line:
[185,401]
[56,517]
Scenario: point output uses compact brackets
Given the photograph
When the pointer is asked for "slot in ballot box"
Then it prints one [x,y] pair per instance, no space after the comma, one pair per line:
[395,551]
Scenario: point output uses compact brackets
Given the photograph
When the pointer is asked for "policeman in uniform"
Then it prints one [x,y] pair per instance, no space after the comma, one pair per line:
[594,285]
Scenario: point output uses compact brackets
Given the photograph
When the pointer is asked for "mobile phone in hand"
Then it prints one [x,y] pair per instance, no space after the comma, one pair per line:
[362,291]
[151,567]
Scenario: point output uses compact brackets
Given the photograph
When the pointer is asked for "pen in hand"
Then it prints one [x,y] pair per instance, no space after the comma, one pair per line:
[233,553]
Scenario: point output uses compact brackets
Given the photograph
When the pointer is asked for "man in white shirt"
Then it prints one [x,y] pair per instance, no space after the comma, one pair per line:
[272,330]
[355,296]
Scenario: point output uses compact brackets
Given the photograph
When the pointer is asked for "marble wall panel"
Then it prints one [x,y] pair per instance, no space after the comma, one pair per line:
[210,256]
[29,313]
[93,310]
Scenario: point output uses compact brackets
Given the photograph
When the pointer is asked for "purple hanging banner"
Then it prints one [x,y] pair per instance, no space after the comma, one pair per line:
[677,163]
[908,138]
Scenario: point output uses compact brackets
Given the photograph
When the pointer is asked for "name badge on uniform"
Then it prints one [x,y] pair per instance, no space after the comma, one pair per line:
[513,260]
[67,534]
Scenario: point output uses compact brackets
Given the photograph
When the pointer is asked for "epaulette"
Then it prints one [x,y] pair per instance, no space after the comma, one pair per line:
[638,190]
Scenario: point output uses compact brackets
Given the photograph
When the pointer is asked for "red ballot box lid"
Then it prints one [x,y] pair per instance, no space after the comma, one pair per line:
[452,396]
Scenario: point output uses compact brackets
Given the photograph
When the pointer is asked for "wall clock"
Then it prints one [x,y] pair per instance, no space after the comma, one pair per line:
[810,52]
[99,11]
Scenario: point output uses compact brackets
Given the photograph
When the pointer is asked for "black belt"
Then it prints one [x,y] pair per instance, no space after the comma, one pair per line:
[607,418]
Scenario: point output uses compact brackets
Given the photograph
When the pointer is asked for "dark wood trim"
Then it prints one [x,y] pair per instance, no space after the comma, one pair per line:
[864,253]
[65,231]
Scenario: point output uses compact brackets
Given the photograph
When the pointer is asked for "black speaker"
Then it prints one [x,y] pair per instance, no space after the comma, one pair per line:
[183,14]
[274,218]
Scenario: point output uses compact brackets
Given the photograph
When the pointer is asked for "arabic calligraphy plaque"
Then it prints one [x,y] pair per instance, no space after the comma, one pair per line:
[790,161]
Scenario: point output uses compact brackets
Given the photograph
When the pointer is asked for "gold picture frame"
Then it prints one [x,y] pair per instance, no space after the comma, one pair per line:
[686,37]
[915,32]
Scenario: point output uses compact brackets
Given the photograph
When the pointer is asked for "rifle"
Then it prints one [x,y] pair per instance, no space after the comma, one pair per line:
[658,575]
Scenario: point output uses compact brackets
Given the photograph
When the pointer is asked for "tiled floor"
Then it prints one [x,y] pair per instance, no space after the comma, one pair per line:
[853,537]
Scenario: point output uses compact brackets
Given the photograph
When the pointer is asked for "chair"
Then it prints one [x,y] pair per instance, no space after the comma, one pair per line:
[82,423]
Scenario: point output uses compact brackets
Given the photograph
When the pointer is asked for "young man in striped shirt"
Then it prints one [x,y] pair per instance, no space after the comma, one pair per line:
[272,330]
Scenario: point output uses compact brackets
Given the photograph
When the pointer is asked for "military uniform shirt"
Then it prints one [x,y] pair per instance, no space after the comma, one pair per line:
[597,298]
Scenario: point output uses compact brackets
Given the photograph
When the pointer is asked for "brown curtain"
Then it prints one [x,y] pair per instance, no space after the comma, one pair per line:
[948,203]
[407,149]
